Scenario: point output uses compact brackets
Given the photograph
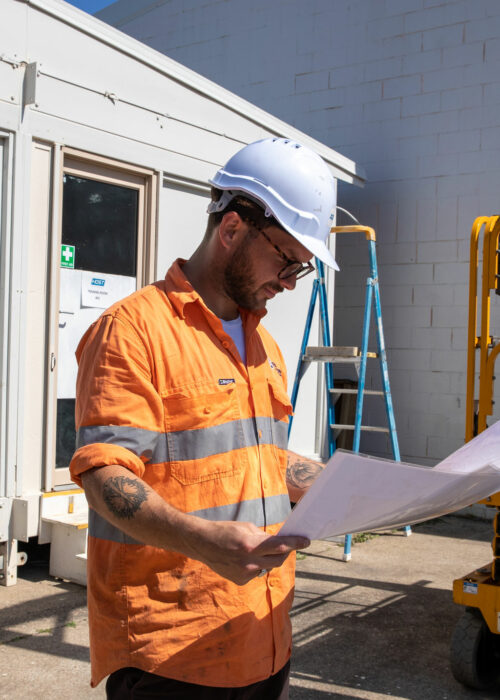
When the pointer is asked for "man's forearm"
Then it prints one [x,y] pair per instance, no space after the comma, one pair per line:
[130,504]
[300,474]
[236,550]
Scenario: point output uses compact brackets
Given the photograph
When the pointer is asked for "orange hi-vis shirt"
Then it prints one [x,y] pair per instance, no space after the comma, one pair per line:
[163,392]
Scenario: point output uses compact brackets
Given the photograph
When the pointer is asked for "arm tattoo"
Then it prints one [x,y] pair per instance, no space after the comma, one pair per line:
[301,472]
[124,496]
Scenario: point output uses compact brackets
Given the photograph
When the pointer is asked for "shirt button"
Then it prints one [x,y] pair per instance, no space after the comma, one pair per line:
[265,484]
[206,409]
[260,434]
[225,344]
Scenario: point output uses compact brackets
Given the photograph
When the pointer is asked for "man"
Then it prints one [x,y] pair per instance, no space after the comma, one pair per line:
[182,419]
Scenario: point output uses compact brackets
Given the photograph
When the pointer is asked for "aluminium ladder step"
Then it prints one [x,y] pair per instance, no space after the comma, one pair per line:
[334,354]
[372,428]
[366,392]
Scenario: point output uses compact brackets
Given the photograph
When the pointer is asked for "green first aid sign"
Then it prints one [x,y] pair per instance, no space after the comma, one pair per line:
[68,256]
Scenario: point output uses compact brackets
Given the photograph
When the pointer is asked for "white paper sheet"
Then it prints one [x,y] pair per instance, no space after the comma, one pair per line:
[71,328]
[483,449]
[70,283]
[357,493]
[100,291]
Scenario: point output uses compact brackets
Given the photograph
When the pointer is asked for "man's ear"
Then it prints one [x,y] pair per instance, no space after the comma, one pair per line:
[230,229]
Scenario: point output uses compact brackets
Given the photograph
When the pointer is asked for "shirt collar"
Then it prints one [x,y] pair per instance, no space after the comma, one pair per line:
[181,293]
[178,288]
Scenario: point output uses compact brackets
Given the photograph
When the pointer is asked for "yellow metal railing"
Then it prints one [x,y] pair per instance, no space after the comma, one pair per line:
[476,411]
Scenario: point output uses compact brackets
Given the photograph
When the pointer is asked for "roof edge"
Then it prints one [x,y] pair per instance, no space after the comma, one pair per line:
[344,168]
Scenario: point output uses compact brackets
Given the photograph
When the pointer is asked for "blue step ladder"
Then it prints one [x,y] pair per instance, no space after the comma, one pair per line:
[331,355]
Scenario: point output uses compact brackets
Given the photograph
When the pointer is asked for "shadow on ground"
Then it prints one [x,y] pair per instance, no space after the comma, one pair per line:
[24,623]
[362,638]
[465,528]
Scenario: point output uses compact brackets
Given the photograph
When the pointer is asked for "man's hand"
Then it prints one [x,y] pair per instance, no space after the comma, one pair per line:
[241,551]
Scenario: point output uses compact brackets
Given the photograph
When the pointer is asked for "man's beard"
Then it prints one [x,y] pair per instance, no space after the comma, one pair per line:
[239,280]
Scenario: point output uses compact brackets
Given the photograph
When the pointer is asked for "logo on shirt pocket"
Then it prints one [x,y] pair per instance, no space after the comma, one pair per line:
[275,367]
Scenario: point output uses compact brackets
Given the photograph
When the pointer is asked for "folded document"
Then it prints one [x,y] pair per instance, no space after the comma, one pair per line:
[357,493]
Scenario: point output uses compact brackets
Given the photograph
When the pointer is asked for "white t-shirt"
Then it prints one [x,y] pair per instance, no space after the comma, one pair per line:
[234,328]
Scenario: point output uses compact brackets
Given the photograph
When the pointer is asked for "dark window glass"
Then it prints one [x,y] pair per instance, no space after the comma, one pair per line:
[100,220]
[65,432]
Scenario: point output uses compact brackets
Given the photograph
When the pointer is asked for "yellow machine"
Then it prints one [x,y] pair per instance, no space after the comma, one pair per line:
[475,646]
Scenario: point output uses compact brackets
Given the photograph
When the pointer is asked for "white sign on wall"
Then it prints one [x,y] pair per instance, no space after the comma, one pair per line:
[79,307]
[100,291]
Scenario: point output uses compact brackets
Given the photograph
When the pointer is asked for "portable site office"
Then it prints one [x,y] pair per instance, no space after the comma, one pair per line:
[98,134]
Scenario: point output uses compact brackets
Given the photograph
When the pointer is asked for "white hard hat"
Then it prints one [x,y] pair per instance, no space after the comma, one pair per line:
[291,182]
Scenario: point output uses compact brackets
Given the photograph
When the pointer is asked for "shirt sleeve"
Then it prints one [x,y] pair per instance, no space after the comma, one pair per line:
[119,412]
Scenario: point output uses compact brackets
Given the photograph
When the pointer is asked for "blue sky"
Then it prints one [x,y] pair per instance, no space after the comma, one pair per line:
[90,6]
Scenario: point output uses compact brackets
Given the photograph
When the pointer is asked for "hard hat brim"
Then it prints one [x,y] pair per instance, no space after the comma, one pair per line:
[318,248]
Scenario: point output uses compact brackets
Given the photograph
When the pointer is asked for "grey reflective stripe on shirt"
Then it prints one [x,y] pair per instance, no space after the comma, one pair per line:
[205,442]
[139,441]
[183,445]
[99,527]
[260,511]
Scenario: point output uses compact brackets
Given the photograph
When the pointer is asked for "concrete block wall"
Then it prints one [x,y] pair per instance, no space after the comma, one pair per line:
[410,89]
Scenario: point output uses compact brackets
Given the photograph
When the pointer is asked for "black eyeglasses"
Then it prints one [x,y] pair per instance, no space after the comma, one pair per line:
[292,268]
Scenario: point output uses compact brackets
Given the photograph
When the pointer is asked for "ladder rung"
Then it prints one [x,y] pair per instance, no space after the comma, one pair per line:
[333,351]
[372,428]
[366,392]
[335,354]
[336,351]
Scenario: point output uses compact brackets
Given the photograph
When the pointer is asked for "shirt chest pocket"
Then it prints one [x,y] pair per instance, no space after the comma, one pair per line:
[280,403]
[202,429]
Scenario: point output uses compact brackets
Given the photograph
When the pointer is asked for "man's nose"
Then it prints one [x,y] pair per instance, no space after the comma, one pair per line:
[289,282]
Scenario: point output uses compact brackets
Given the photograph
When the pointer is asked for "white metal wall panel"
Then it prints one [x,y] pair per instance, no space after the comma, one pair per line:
[9,116]
[182,223]
[10,82]
[286,321]
[13,28]
[17,318]
[8,398]
[4,174]
[71,103]
[33,402]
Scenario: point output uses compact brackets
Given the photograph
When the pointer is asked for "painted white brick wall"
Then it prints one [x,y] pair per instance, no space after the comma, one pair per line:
[410,89]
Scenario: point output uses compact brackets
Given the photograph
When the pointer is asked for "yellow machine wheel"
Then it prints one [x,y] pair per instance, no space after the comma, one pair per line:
[475,651]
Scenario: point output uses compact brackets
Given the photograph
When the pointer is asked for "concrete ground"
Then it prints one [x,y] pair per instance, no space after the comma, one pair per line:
[374,627]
